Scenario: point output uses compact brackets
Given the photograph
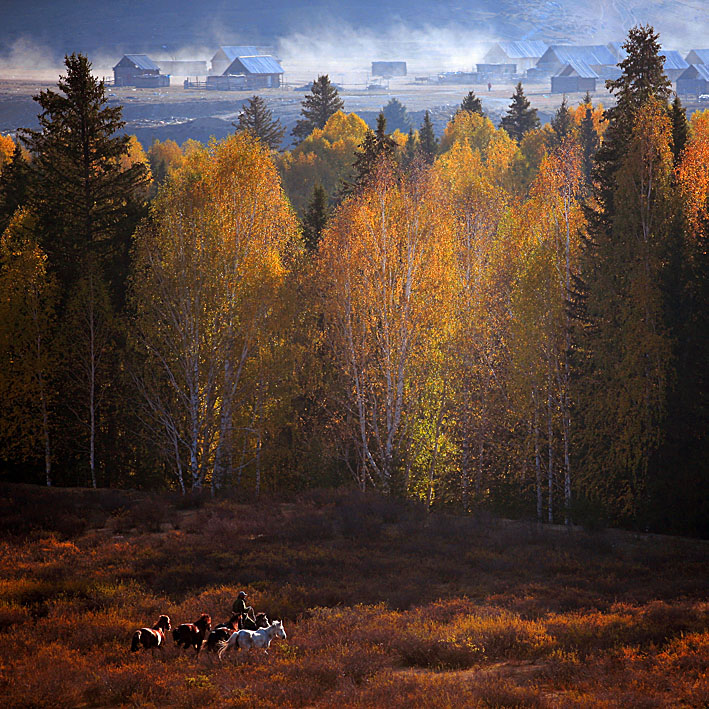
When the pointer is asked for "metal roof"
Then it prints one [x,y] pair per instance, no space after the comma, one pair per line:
[142,61]
[263,64]
[702,55]
[617,50]
[696,71]
[673,59]
[580,68]
[234,51]
[523,49]
[593,55]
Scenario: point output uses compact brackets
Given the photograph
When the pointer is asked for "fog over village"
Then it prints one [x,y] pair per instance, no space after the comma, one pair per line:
[354,354]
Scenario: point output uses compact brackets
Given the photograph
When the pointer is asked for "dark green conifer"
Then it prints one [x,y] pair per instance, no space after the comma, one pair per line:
[472,104]
[562,123]
[315,218]
[14,186]
[377,147]
[520,117]
[86,202]
[322,102]
[588,137]
[680,128]
[428,143]
[397,117]
[257,119]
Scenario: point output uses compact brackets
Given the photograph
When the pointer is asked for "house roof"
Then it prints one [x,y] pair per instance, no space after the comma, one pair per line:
[673,59]
[234,51]
[593,55]
[142,61]
[695,71]
[617,50]
[579,68]
[527,49]
[701,54]
[263,64]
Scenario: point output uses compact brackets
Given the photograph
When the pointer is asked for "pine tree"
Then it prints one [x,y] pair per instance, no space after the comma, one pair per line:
[257,118]
[624,387]
[472,104]
[588,137]
[14,186]
[84,199]
[410,149]
[377,147]
[562,124]
[520,117]
[680,128]
[428,143]
[322,102]
[315,218]
[397,116]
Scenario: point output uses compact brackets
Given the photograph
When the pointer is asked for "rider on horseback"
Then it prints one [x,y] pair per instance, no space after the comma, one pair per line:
[240,607]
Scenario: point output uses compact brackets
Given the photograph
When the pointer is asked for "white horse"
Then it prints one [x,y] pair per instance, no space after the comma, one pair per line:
[261,638]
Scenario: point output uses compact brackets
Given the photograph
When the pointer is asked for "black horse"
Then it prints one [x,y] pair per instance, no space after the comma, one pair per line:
[193,634]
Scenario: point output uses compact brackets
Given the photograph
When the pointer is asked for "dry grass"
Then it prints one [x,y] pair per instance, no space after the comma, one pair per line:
[383,607]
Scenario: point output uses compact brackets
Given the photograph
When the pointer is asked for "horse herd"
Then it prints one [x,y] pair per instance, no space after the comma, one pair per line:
[239,632]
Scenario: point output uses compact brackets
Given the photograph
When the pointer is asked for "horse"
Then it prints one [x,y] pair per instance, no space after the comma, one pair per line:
[222,632]
[151,638]
[261,638]
[245,622]
[193,634]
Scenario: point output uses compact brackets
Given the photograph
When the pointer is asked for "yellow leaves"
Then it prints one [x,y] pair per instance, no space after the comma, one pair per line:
[7,148]
[693,172]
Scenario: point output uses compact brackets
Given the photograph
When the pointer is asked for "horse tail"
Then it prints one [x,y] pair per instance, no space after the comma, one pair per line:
[222,646]
[135,644]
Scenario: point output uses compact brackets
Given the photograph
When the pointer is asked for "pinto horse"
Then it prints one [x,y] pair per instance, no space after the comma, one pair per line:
[260,638]
[224,631]
[193,634]
[150,638]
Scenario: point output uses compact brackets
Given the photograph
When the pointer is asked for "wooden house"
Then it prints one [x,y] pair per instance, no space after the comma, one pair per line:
[261,72]
[575,77]
[698,56]
[225,55]
[138,70]
[524,54]
[675,66]
[694,80]
[598,57]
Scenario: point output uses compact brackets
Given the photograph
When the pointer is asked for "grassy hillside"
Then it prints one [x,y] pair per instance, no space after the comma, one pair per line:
[383,605]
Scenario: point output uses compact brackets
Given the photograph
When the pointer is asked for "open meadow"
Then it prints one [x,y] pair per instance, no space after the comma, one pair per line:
[383,605]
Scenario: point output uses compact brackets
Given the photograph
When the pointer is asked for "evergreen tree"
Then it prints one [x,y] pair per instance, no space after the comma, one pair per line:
[588,137]
[257,118]
[85,200]
[14,186]
[562,124]
[377,147]
[428,143]
[472,104]
[624,387]
[680,128]
[322,102]
[315,218]
[520,117]
[410,149]
[397,117]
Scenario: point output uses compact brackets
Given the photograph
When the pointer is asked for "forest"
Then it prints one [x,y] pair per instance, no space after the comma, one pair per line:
[509,320]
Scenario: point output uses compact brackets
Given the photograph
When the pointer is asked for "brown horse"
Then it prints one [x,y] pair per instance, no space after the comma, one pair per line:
[223,631]
[193,634]
[150,638]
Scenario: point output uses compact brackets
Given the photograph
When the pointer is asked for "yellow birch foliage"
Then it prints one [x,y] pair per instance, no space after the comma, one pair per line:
[324,157]
[693,173]
[209,270]
[389,275]
[7,148]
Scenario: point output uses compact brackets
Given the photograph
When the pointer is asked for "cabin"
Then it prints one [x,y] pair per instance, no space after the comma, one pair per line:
[261,72]
[524,54]
[388,69]
[575,77]
[138,70]
[616,49]
[675,66]
[225,55]
[496,71]
[179,67]
[698,56]
[694,80]
[598,57]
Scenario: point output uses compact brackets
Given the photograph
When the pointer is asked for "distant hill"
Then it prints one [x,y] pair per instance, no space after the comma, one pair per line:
[39,32]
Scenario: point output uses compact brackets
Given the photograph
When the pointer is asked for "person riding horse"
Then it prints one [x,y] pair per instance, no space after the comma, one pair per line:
[240,607]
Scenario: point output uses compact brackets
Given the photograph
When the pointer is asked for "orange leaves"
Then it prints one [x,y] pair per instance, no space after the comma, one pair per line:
[693,172]
[7,148]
